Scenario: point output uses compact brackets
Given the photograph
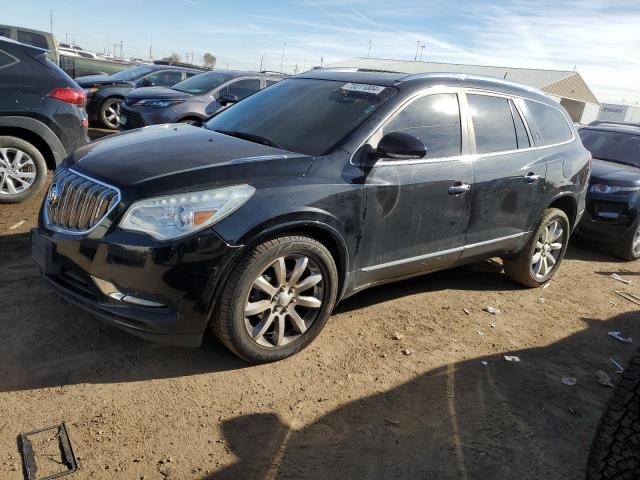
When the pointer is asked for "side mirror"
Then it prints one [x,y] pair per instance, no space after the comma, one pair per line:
[400,146]
[147,83]
[227,99]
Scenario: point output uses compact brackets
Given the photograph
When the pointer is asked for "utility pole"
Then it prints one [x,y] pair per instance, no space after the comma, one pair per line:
[282,61]
[421,50]
[369,52]
[261,60]
[417,48]
[321,62]
[115,49]
[121,54]
[66,37]
[295,69]
[151,48]
[51,20]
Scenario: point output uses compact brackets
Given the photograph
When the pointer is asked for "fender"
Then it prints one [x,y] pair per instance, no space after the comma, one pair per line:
[43,131]
[251,239]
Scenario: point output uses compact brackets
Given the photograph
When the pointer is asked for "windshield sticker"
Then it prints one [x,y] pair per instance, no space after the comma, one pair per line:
[363,88]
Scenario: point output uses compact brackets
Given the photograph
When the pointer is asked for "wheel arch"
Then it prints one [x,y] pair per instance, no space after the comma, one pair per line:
[36,133]
[568,204]
[324,233]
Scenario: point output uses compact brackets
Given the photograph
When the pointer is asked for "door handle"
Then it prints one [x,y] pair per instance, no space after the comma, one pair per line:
[459,188]
[531,178]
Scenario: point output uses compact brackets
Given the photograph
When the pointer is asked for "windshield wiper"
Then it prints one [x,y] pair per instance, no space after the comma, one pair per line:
[251,137]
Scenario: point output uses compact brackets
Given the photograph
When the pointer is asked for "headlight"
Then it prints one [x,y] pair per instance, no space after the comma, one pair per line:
[174,216]
[611,189]
[158,103]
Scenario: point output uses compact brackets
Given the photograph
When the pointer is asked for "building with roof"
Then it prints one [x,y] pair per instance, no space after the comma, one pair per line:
[611,112]
[566,87]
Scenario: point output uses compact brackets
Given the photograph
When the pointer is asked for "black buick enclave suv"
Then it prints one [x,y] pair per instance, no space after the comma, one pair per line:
[304,194]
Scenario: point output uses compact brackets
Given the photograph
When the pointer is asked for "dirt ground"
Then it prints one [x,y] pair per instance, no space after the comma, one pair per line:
[352,405]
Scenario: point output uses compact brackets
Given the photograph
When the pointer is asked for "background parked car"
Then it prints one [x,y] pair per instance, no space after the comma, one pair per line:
[613,202]
[106,92]
[72,63]
[42,119]
[192,100]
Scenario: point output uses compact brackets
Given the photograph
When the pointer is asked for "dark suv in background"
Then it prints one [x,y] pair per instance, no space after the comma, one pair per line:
[613,201]
[192,100]
[106,92]
[305,193]
[42,119]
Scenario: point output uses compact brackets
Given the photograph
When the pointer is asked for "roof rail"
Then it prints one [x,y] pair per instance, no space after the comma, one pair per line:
[473,76]
[273,72]
[610,122]
[180,64]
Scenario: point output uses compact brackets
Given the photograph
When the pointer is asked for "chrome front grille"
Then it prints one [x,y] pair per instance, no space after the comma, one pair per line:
[76,203]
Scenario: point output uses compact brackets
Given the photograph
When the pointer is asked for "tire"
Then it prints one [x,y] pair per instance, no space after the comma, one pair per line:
[522,268]
[110,113]
[20,181]
[240,295]
[629,247]
[615,451]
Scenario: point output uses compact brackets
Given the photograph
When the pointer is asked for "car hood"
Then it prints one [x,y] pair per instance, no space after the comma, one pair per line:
[100,80]
[612,173]
[174,158]
[157,92]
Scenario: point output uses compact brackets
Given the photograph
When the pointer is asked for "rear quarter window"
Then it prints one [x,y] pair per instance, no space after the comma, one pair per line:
[6,60]
[34,39]
[548,124]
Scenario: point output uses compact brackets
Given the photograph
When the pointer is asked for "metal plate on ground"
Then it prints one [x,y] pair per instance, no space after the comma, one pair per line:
[59,453]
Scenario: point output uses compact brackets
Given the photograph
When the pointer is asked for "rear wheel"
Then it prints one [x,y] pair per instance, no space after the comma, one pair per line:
[629,247]
[278,299]
[23,170]
[540,258]
[615,452]
[110,113]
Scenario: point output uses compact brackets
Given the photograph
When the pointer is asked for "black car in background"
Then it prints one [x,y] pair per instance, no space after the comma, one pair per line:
[305,193]
[191,100]
[613,202]
[106,92]
[42,119]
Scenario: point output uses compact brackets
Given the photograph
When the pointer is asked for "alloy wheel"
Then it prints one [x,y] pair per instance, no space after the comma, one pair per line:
[284,301]
[17,171]
[547,250]
[112,114]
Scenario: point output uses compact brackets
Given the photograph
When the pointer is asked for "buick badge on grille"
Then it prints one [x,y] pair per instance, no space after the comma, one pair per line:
[53,197]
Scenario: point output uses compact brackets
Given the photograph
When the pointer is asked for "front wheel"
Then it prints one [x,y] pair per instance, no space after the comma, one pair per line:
[540,258]
[277,300]
[110,113]
[629,247]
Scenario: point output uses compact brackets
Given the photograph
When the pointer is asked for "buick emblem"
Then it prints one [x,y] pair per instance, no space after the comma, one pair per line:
[54,195]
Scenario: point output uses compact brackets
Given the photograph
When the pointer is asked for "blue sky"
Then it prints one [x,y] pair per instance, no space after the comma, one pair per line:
[600,38]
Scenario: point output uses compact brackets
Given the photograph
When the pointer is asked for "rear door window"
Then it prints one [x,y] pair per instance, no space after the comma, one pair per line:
[435,120]
[243,88]
[548,124]
[492,123]
[31,38]
[5,32]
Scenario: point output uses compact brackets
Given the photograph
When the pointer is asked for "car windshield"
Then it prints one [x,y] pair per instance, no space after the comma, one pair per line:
[202,83]
[613,146]
[132,73]
[302,115]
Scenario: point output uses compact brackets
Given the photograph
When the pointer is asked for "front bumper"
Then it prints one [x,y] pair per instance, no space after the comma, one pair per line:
[179,279]
[608,218]
[138,117]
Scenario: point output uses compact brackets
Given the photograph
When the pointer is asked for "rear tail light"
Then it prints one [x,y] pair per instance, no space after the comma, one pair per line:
[69,95]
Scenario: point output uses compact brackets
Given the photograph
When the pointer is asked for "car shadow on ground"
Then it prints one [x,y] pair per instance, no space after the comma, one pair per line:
[46,342]
[461,421]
